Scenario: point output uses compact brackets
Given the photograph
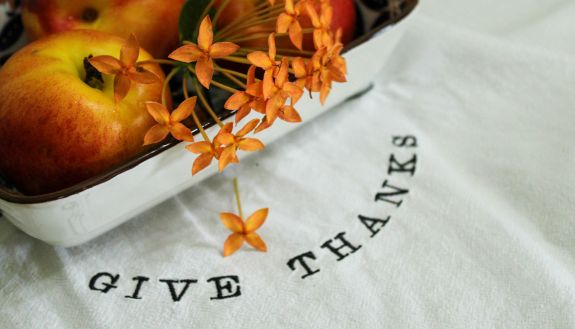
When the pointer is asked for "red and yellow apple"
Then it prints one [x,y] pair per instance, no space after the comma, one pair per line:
[55,129]
[153,22]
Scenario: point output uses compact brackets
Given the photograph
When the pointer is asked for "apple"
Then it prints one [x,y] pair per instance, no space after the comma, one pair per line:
[55,129]
[344,18]
[154,22]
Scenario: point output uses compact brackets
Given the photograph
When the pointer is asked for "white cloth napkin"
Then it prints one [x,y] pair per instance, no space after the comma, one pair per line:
[459,161]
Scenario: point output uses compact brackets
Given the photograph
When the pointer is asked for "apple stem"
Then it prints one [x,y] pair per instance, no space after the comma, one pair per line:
[93,77]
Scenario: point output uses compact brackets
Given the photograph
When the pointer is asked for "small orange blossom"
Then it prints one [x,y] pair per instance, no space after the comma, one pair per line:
[244,231]
[124,69]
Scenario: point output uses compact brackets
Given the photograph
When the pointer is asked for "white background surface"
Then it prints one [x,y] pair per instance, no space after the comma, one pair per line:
[483,240]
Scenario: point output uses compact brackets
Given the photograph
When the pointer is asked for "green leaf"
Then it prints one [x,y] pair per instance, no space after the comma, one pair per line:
[191,17]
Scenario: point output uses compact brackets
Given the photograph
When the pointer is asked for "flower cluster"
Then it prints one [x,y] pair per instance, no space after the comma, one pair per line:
[293,51]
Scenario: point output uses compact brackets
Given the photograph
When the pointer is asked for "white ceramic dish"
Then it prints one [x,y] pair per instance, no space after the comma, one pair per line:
[82,216]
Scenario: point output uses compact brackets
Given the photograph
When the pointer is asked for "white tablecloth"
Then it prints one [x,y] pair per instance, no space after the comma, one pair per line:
[450,186]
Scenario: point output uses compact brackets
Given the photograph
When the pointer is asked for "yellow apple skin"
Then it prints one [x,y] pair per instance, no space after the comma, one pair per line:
[154,22]
[55,130]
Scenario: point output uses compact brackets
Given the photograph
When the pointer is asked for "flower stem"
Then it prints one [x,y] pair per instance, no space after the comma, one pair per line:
[158,61]
[253,18]
[204,14]
[230,75]
[204,101]
[237,194]
[215,83]
[199,125]
[220,10]
[166,85]
[185,86]
[194,115]
[236,59]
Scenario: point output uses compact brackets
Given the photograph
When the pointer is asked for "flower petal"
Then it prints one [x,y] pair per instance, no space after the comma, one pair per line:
[254,240]
[225,139]
[130,51]
[299,67]
[237,100]
[156,134]
[187,54]
[260,59]
[289,114]
[233,243]
[273,106]
[296,35]
[256,220]
[202,162]
[141,75]
[283,23]
[233,222]
[324,92]
[312,13]
[181,132]
[200,147]
[223,49]
[264,125]
[228,156]
[106,64]
[205,71]
[272,46]
[248,128]
[227,128]
[294,91]
[206,34]
[184,110]
[121,87]
[283,73]
[268,86]
[250,144]
[243,112]
[158,112]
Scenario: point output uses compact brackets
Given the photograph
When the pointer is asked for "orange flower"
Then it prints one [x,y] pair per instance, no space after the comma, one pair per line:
[301,70]
[287,113]
[244,101]
[230,143]
[244,231]
[207,153]
[125,69]
[328,66]
[321,22]
[289,21]
[204,52]
[170,123]
[281,90]
[268,63]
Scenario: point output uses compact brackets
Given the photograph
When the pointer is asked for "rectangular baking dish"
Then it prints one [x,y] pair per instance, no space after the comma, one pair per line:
[80,213]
